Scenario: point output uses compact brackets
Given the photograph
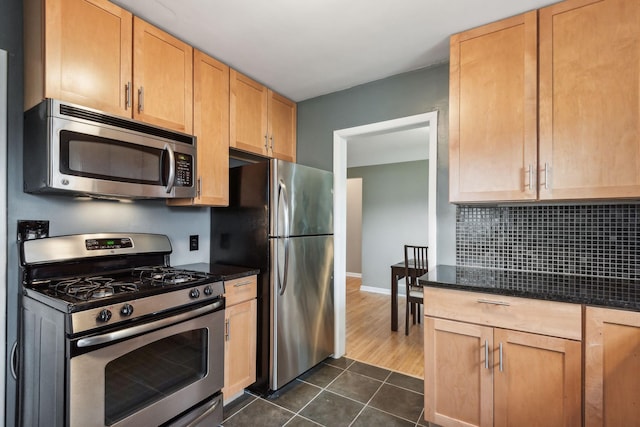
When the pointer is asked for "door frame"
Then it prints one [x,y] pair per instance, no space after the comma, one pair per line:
[340,140]
[4,58]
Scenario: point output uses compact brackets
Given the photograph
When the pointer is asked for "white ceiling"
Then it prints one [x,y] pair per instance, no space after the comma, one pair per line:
[307,48]
[391,147]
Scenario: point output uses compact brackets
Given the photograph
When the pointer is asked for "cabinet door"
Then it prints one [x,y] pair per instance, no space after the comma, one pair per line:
[536,377]
[87,54]
[211,128]
[240,347]
[612,366]
[248,114]
[282,127]
[457,373]
[163,78]
[493,111]
[590,99]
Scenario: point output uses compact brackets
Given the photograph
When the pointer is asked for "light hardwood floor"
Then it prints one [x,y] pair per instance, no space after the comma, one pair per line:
[369,335]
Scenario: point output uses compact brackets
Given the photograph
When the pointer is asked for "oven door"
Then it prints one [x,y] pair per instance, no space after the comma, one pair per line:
[149,378]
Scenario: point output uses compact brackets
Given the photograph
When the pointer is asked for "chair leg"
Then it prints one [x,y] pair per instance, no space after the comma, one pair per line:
[406,318]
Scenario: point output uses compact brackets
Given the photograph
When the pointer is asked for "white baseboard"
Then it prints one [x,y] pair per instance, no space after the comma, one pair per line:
[375,290]
[354,275]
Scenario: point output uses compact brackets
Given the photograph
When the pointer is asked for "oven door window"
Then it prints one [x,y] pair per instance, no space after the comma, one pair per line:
[103,158]
[152,372]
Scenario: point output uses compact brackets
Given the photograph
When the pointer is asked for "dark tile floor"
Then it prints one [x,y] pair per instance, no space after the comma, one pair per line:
[339,392]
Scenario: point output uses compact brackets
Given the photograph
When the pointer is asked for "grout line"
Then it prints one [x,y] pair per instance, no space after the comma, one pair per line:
[389,369]
[368,401]
[326,388]
[241,409]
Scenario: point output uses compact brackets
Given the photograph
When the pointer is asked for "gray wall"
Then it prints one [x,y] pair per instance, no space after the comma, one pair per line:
[398,96]
[354,226]
[67,215]
[394,213]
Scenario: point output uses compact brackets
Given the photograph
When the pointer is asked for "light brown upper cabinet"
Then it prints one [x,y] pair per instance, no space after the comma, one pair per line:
[261,121]
[492,111]
[211,127]
[162,78]
[78,51]
[93,53]
[590,100]
[588,105]
[282,127]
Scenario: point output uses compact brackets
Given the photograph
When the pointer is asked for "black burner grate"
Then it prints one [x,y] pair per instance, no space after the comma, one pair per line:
[88,288]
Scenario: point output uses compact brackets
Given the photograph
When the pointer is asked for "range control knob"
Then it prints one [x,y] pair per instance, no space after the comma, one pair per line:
[126,310]
[104,316]
[207,290]
[194,293]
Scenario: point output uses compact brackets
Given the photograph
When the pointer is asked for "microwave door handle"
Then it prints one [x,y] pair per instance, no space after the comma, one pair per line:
[172,168]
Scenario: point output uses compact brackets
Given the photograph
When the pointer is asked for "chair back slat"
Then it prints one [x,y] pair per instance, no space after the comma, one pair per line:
[415,263]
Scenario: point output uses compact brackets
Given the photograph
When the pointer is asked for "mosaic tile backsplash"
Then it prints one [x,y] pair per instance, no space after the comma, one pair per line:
[588,240]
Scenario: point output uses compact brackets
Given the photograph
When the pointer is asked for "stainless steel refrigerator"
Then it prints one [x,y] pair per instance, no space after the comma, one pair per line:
[280,220]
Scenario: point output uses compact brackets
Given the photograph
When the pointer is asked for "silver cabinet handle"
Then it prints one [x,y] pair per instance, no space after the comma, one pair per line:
[199,187]
[245,283]
[127,96]
[266,143]
[141,99]
[501,365]
[488,301]
[486,354]
[546,175]
[529,172]
[271,143]
[227,329]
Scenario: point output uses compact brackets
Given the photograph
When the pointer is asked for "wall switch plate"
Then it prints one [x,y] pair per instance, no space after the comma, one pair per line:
[31,229]
[193,242]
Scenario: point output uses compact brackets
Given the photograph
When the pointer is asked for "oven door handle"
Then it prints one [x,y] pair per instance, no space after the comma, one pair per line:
[147,327]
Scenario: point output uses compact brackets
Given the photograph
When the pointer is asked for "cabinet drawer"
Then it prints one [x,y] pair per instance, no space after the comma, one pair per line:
[239,290]
[522,314]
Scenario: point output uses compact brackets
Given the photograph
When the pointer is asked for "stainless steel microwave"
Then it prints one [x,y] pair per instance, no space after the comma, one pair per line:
[73,149]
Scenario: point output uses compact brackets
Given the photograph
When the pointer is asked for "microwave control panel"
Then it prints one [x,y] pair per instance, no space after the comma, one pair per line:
[184,170]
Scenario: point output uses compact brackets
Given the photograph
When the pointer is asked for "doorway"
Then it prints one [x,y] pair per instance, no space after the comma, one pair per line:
[340,141]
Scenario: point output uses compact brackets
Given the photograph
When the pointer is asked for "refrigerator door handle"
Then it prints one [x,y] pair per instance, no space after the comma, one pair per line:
[286,265]
[284,197]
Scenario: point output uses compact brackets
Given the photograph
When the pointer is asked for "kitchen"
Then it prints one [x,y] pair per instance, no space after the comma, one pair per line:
[411,93]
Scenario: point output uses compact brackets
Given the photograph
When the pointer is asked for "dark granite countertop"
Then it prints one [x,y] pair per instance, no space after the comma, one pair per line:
[221,271]
[599,291]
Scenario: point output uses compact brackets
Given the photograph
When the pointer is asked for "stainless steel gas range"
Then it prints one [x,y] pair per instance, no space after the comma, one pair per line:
[111,335]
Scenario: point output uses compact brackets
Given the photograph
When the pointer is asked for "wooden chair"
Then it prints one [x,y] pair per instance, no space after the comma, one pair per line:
[415,265]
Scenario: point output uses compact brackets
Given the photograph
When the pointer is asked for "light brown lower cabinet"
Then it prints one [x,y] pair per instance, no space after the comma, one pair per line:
[612,367]
[477,374]
[240,336]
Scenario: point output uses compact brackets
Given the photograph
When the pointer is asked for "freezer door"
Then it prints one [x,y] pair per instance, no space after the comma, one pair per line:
[301,200]
[302,305]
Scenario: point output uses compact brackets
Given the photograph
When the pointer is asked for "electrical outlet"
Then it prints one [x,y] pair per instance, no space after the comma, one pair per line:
[193,242]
